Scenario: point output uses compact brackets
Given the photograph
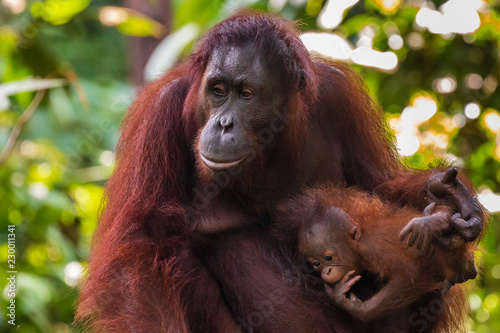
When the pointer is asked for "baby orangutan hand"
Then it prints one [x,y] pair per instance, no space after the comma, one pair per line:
[340,292]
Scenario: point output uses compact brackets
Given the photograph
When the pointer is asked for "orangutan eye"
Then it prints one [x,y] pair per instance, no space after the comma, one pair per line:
[219,90]
[328,257]
[246,94]
[315,263]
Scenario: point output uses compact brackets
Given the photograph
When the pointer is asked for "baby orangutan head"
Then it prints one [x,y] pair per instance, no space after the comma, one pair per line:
[329,242]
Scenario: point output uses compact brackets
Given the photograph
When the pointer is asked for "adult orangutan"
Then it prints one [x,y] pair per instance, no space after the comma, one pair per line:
[249,119]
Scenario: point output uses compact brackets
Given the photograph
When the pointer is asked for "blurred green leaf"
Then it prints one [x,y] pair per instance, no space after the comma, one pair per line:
[140,26]
[58,11]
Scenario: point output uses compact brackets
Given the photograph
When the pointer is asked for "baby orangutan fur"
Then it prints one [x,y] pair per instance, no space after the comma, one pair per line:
[345,233]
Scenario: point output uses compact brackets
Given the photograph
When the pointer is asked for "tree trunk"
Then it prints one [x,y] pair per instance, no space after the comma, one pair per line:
[140,48]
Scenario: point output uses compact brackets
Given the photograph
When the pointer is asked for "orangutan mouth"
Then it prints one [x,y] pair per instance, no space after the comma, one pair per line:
[220,165]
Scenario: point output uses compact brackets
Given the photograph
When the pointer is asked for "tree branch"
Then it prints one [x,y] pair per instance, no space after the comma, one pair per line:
[21,121]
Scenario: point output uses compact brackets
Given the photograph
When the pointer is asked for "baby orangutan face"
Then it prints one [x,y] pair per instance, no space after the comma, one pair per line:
[325,243]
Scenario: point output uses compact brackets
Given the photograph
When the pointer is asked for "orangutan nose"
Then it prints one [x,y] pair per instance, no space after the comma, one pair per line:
[226,122]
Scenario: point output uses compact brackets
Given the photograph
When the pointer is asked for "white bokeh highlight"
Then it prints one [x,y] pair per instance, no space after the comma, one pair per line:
[333,12]
[73,273]
[454,16]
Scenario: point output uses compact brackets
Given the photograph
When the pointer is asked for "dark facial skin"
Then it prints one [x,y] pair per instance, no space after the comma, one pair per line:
[239,95]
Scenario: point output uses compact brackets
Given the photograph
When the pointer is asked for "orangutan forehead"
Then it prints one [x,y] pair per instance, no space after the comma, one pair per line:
[237,61]
[316,238]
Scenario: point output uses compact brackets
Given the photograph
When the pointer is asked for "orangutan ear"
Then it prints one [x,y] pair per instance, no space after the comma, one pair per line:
[355,233]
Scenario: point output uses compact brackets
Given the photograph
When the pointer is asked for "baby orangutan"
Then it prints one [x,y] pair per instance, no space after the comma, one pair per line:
[345,233]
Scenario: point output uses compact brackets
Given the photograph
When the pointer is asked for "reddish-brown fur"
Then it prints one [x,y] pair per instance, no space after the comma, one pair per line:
[143,274]
[409,272]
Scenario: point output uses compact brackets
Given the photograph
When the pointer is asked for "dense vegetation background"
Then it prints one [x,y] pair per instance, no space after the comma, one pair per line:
[69,69]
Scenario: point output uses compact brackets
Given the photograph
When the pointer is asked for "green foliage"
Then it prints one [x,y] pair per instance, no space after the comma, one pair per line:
[58,11]
[51,186]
